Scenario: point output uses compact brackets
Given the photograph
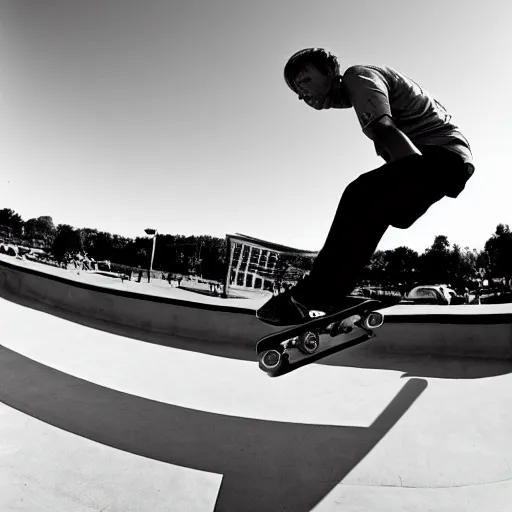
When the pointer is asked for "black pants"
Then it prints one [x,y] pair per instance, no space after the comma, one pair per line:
[396,194]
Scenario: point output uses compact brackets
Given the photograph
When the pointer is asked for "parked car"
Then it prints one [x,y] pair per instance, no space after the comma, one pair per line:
[376,292]
[433,294]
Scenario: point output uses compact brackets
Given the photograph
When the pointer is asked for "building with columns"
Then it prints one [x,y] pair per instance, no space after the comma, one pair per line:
[259,265]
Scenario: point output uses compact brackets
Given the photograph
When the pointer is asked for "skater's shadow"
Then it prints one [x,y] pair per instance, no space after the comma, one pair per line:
[368,355]
[266,465]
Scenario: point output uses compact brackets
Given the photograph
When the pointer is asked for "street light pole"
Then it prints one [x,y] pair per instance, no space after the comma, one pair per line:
[153,232]
[152,253]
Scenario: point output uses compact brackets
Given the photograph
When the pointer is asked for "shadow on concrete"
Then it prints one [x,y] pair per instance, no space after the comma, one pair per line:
[367,355]
[270,466]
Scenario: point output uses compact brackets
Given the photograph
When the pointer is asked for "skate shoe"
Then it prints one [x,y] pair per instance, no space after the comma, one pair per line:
[297,306]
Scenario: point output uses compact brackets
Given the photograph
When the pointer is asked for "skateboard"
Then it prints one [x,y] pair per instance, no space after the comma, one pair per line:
[284,351]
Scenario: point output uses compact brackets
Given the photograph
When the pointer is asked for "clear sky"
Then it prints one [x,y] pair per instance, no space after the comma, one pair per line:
[126,114]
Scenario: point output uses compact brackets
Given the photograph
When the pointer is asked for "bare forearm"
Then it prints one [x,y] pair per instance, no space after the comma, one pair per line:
[396,145]
[390,142]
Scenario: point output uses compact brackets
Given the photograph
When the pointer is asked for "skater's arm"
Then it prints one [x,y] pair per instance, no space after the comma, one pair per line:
[388,137]
[381,152]
[369,94]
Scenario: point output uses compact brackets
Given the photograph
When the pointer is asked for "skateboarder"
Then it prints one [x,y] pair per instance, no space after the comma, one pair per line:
[427,158]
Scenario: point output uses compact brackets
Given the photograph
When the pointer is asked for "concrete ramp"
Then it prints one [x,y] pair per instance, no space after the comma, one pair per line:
[466,331]
[99,415]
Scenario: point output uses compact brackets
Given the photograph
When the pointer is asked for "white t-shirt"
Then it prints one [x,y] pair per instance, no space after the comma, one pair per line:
[382,91]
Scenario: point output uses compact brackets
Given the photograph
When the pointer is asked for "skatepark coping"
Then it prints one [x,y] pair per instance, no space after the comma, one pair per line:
[463,330]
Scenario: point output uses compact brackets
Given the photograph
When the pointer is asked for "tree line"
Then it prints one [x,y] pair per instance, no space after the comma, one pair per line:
[206,256]
[201,255]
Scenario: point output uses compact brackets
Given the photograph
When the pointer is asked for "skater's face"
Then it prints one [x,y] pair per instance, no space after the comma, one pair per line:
[320,91]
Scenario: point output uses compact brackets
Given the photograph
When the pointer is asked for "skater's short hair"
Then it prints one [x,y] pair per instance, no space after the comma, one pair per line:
[323,60]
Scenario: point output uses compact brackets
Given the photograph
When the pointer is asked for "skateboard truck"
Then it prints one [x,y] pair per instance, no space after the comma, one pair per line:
[308,342]
[366,322]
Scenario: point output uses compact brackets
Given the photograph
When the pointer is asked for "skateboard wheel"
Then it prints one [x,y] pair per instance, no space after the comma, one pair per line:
[270,360]
[373,320]
[308,342]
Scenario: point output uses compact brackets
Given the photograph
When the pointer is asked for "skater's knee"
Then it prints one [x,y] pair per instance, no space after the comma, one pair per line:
[363,193]
[405,217]
[353,190]
[402,222]
[365,184]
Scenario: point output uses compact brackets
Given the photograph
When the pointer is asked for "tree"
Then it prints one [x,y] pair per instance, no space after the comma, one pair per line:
[462,266]
[12,220]
[89,238]
[402,264]
[435,262]
[375,270]
[119,249]
[104,246]
[67,240]
[142,258]
[40,228]
[499,250]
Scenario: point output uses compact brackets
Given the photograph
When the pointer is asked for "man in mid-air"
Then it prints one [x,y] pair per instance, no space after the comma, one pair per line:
[427,158]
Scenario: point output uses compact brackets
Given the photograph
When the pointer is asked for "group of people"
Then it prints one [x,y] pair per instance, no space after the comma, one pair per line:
[81,261]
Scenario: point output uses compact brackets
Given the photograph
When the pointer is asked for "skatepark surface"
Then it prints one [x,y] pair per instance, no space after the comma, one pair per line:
[106,417]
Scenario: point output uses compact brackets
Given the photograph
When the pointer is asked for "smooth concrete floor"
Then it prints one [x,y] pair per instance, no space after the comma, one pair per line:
[92,420]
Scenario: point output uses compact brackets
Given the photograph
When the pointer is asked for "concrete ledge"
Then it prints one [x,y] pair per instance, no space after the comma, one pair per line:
[472,331]
[155,314]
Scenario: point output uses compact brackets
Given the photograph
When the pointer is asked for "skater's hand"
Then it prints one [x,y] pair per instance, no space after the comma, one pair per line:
[389,140]
[382,152]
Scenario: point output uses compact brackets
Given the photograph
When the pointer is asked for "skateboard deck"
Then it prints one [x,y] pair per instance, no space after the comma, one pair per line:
[295,346]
